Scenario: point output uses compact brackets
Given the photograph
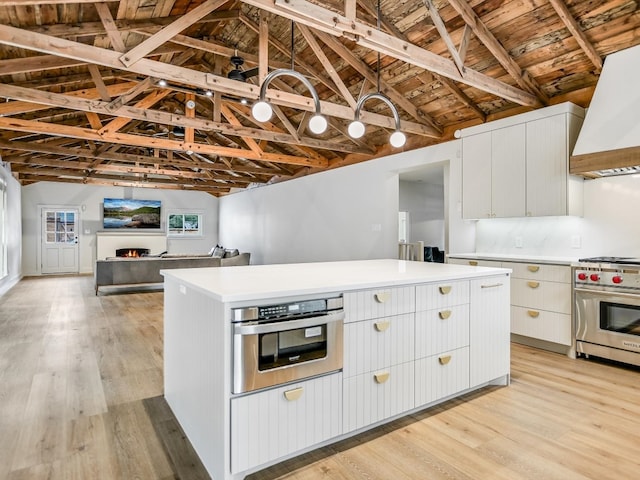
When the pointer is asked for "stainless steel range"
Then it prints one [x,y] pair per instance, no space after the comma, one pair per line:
[607,308]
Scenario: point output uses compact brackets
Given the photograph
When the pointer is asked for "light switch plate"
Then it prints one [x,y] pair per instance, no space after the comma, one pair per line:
[576,241]
[518,242]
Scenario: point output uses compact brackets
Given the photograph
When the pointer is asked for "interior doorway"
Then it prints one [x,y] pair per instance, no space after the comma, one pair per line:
[422,209]
[59,240]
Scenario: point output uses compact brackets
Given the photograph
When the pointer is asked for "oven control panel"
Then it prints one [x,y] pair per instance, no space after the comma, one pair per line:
[616,279]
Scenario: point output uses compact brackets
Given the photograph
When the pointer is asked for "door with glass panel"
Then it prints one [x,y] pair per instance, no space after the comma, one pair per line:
[59,240]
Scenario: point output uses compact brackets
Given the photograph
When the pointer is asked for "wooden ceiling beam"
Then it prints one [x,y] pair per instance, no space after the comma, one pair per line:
[444,34]
[337,25]
[145,48]
[90,54]
[570,22]
[110,28]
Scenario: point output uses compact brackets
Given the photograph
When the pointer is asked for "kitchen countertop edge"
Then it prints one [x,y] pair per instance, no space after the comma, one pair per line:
[568,261]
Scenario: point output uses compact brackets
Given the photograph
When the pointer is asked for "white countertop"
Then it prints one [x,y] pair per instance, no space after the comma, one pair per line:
[241,283]
[506,257]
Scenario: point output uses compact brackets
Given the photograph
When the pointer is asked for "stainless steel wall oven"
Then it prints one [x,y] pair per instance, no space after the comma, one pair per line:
[276,344]
[607,308]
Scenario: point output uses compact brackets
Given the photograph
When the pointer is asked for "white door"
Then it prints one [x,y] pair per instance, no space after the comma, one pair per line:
[59,252]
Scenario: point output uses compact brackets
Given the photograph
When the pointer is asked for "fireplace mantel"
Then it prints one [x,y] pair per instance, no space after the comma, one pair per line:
[108,242]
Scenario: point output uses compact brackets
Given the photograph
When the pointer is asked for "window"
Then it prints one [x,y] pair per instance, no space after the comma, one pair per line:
[184,224]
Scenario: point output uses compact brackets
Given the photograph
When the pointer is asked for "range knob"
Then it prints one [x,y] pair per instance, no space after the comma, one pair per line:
[616,279]
[594,277]
[582,276]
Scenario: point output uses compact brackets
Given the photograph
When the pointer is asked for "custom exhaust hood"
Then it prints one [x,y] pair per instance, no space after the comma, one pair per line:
[609,140]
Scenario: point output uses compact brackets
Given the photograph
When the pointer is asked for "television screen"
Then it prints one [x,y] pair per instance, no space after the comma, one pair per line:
[129,213]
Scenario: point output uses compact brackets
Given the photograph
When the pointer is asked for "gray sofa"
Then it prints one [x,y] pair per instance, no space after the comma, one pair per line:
[146,270]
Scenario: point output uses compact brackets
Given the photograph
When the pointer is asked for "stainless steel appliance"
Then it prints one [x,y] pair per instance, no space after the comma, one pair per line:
[276,344]
[607,308]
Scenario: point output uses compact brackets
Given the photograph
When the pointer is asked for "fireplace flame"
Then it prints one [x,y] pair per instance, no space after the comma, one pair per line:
[131,253]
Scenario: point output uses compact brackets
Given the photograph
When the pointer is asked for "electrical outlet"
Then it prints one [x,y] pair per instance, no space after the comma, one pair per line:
[518,242]
[576,241]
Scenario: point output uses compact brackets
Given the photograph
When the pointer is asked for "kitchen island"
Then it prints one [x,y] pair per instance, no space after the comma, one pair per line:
[414,334]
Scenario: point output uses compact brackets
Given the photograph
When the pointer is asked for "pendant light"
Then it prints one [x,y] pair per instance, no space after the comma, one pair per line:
[356,127]
[262,110]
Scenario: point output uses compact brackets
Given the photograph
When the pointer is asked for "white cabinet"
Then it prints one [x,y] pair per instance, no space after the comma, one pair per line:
[274,423]
[541,302]
[493,173]
[518,166]
[489,348]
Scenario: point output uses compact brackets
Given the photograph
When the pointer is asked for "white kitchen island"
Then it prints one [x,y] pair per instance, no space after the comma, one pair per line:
[415,334]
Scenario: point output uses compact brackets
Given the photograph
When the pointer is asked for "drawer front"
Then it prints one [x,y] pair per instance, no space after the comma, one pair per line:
[441,330]
[550,296]
[378,343]
[378,303]
[438,295]
[475,263]
[550,326]
[442,375]
[541,272]
[375,396]
[271,424]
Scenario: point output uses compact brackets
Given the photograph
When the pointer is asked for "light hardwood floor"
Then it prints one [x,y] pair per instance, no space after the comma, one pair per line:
[81,398]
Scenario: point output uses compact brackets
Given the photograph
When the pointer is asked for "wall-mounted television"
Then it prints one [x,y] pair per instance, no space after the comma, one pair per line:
[131,214]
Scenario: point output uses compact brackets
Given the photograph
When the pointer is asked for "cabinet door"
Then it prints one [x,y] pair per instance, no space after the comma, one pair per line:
[547,159]
[271,424]
[476,176]
[489,329]
[508,171]
[440,376]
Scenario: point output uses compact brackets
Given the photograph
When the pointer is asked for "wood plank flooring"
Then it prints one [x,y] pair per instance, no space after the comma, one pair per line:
[81,398]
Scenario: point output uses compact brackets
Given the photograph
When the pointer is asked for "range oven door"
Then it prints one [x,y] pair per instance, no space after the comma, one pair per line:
[272,353]
[609,319]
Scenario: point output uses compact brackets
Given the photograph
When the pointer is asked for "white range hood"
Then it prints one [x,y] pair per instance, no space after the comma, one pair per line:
[609,140]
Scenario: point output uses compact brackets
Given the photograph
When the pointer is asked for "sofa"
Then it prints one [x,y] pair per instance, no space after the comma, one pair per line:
[125,271]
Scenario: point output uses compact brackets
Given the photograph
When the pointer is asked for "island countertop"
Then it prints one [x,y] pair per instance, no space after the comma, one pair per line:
[240,283]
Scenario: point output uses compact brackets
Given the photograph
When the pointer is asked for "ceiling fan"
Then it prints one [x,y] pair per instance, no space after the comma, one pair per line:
[237,73]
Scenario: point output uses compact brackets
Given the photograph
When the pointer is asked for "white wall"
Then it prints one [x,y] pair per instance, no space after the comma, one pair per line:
[343,214]
[610,226]
[14,229]
[91,198]
[425,204]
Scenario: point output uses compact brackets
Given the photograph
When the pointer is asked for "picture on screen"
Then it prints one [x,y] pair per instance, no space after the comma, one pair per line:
[130,214]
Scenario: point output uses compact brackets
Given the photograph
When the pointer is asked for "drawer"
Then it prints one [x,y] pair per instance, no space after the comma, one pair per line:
[442,375]
[378,343]
[375,396]
[378,303]
[475,263]
[549,326]
[438,295]
[550,296]
[441,330]
[277,422]
[541,272]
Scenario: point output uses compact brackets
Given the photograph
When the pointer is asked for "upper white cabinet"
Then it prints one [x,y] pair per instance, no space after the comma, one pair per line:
[518,166]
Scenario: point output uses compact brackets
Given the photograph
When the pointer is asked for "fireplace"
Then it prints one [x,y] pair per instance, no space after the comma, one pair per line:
[131,252]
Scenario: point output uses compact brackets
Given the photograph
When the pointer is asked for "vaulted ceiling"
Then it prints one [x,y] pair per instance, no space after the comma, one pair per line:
[158,93]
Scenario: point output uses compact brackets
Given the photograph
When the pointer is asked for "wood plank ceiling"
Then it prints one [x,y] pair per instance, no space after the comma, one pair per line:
[85,100]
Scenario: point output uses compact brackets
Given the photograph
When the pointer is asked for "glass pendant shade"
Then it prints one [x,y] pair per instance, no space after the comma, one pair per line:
[397,139]
[356,129]
[262,111]
[318,124]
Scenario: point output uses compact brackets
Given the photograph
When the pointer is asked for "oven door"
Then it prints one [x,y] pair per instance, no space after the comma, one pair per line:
[609,319]
[273,353]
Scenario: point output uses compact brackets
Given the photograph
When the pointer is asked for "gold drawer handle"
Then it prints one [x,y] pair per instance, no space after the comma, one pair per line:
[293,395]
[382,297]
[382,326]
[533,284]
[445,290]
[533,313]
[444,314]
[444,359]
[473,263]
[381,377]
[533,268]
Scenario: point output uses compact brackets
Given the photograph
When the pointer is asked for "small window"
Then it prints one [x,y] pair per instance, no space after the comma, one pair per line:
[184,224]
